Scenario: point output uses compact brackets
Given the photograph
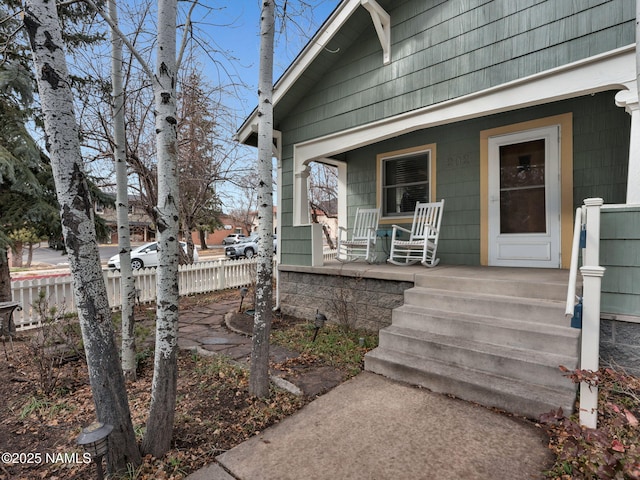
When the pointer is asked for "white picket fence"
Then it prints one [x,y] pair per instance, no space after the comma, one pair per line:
[201,277]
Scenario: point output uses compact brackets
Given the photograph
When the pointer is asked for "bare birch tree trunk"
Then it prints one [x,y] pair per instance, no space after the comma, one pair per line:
[259,374]
[76,212]
[127,284]
[157,439]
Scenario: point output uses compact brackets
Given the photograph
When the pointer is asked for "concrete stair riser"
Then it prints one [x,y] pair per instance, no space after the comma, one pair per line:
[523,335]
[520,365]
[516,288]
[475,386]
[494,336]
[521,309]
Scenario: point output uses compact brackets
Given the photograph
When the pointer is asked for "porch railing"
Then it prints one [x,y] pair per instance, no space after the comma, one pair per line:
[575,254]
[587,235]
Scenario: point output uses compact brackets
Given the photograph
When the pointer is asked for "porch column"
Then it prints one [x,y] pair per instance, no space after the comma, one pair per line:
[317,258]
[629,100]
[277,153]
[301,196]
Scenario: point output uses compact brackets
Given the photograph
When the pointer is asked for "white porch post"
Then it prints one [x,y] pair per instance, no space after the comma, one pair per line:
[629,100]
[592,274]
[277,153]
[301,195]
[591,279]
[342,195]
[317,257]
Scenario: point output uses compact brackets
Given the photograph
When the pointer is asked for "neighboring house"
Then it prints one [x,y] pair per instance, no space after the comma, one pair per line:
[254,220]
[513,112]
[143,229]
[329,223]
[229,225]
[141,226]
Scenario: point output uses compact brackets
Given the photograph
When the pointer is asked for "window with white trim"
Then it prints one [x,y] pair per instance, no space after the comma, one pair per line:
[406,180]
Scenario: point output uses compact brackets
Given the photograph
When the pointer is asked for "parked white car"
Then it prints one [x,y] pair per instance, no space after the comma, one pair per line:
[145,256]
[233,238]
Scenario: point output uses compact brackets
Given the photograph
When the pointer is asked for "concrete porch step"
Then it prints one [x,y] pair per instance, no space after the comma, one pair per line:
[496,336]
[501,360]
[523,334]
[523,398]
[516,282]
[491,305]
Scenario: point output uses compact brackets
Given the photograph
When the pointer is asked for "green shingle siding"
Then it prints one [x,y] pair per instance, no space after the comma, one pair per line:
[620,255]
[443,53]
[621,224]
[600,165]
[601,143]
[622,252]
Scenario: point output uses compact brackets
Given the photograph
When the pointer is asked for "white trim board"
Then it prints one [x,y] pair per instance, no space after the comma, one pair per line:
[611,70]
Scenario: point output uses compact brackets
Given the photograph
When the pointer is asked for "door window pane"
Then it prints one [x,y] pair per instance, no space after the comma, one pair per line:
[522,188]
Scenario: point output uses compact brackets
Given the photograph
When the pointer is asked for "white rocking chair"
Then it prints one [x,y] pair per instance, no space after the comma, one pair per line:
[362,243]
[422,244]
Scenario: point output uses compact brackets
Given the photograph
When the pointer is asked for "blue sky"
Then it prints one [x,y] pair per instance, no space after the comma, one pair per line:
[238,32]
[234,28]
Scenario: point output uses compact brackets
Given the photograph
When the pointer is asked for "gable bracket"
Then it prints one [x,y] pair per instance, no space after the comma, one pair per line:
[382,22]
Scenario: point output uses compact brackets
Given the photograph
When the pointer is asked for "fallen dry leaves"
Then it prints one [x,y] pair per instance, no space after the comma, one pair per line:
[214,412]
[612,451]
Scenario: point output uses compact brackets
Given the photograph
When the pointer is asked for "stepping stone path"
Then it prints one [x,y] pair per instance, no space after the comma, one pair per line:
[218,329]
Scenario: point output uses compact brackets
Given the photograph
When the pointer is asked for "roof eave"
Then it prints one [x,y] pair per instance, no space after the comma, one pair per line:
[314,47]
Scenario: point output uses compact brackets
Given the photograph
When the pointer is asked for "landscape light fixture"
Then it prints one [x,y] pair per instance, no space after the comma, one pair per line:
[319,323]
[243,293]
[94,439]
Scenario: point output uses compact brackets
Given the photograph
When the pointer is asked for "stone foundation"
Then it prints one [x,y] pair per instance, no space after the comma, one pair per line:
[344,299]
[620,345]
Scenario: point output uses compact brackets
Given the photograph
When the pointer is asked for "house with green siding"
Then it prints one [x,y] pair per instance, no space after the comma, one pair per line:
[514,113]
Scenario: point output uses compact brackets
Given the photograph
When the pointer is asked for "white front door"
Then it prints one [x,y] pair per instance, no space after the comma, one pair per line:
[524,199]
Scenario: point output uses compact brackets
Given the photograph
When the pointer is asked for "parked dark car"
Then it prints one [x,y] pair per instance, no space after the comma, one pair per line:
[246,248]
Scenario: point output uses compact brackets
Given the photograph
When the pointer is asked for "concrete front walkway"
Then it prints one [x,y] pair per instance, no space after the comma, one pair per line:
[369,428]
[374,428]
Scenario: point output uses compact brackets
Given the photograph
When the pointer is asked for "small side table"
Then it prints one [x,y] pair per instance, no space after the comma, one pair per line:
[383,244]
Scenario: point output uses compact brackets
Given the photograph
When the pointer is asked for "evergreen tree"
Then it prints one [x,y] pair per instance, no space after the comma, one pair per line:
[27,200]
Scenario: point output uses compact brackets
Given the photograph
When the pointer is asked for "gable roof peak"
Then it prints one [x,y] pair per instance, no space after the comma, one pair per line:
[316,45]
